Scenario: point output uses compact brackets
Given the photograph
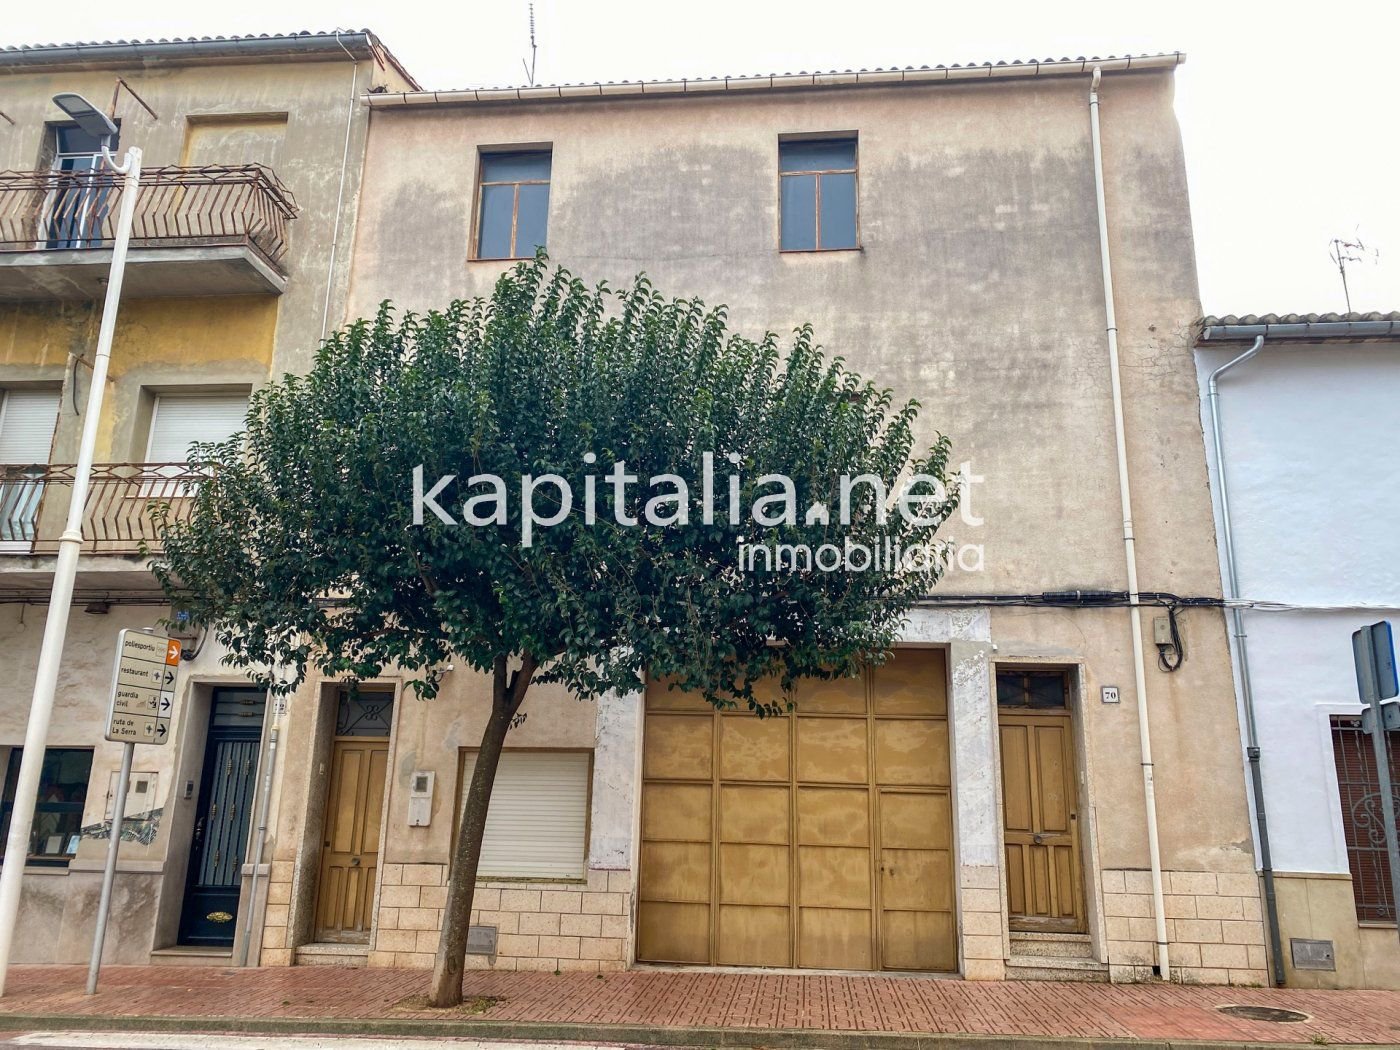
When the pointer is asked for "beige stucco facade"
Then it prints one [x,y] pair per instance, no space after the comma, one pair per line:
[977,290]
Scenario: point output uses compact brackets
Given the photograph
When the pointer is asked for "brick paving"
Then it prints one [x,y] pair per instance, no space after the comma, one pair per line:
[699,998]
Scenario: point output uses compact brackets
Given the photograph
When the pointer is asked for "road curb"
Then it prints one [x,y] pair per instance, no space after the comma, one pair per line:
[602,1033]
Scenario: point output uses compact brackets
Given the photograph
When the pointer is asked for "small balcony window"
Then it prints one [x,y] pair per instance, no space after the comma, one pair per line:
[514,204]
[818,194]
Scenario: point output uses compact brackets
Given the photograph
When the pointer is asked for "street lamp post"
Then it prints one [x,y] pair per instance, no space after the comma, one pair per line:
[96,123]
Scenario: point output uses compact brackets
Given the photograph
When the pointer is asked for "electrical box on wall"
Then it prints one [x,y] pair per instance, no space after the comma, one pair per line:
[420,798]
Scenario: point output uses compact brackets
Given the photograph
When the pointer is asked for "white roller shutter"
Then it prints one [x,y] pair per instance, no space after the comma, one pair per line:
[537,825]
[27,419]
[180,419]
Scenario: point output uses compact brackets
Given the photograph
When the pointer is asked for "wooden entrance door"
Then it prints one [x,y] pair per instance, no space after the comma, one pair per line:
[350,852]
[822,839]
[1040,793]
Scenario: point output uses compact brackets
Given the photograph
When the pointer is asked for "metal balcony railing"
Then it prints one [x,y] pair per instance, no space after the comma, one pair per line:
[116,519]
[219,205]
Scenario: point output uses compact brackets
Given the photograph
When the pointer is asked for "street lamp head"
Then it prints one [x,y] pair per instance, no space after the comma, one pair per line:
[87,116]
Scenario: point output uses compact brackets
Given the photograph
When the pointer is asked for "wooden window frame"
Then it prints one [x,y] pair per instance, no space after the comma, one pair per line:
[1068,672]
[854,171]
[481,185]
[460,798]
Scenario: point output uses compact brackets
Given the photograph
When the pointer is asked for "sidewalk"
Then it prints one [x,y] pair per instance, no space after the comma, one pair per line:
[682,1007]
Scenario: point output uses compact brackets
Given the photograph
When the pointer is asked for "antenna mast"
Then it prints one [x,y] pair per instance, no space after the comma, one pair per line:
[530,66]
[1344,251]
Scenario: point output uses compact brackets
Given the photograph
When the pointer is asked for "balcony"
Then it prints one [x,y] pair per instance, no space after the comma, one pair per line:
[219,230]
[34,506]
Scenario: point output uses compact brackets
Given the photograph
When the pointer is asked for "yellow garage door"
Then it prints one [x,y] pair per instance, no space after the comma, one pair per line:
[822,839]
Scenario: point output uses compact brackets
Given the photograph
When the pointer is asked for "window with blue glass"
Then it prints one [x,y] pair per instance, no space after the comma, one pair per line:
[514,204]
[818,194]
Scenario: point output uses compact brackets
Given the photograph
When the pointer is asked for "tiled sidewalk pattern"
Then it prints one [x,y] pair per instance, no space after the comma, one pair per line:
[661,998]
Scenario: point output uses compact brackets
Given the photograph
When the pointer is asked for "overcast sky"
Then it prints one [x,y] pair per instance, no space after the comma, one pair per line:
[1289,111]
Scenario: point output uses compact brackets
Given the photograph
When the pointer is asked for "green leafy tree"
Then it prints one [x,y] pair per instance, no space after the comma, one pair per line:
[301,550]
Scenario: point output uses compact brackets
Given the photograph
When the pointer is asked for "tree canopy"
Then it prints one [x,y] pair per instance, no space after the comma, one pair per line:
[301,549]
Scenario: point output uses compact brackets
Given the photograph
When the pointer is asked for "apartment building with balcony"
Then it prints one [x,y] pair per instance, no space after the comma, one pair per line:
[976,806]
[252,156]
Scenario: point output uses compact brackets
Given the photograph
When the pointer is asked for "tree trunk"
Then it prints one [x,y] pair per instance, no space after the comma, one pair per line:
[507,693]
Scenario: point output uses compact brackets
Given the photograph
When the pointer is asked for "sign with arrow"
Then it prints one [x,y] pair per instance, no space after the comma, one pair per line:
[143,688]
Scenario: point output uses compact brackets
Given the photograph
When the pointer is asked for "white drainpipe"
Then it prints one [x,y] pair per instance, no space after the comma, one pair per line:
[1252,750]
[1154,851]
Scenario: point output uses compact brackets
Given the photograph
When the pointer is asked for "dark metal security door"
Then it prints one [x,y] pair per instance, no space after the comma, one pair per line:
[223,818]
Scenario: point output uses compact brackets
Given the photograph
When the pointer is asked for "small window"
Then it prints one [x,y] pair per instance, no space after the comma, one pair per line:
[1036,689]
[177,422]
[1363,824]
[27,421]
[818,194]
[537,826]
[514,204]
[58,815]
[364,712]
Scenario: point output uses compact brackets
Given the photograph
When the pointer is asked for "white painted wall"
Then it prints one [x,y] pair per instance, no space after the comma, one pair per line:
[1312,454]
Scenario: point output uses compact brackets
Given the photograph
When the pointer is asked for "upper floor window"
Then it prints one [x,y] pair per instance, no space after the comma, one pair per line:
[79,206]
[179,420]
[27,420]
[818,194]
[514,204]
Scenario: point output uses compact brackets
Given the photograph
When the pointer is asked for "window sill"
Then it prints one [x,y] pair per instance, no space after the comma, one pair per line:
[502,259]
[527,880]
[820,251]
[42,869]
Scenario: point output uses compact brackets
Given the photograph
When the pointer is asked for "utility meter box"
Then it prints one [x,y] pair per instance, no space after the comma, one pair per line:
[420,798]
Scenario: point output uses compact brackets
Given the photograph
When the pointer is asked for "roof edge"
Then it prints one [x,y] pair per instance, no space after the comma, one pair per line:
[360,43]
[1298,327]
[780,81]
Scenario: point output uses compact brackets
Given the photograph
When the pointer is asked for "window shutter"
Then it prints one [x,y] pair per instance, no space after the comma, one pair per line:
[27,420]
[538,820]
[184,418]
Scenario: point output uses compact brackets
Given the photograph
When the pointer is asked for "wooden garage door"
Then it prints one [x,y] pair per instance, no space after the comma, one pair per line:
[822,839]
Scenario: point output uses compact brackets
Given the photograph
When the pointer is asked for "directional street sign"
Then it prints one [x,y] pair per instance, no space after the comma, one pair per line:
[143,688]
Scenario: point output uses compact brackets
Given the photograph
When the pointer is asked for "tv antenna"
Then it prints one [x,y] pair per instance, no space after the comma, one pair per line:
[1343,251]
[534,51]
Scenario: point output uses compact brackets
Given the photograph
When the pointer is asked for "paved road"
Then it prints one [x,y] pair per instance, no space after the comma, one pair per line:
[167,1041]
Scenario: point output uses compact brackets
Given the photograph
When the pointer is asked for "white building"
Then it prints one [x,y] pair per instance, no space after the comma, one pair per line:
[1312,479]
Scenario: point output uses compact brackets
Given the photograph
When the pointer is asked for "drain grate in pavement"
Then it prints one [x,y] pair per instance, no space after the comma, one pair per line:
[1264,1013]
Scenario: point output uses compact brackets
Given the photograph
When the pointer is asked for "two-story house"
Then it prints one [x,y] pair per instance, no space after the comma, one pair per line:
[1304,477]
[252,158]
[1045,780]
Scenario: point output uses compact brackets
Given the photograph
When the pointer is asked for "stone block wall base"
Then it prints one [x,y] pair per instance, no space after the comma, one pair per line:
[1215,926]
[549,926]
